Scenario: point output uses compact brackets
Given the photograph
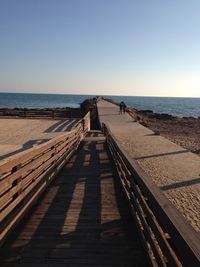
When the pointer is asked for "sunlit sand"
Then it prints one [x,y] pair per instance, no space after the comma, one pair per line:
[17,135]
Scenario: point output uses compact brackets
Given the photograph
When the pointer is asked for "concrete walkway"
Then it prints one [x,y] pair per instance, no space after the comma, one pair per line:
[175,170]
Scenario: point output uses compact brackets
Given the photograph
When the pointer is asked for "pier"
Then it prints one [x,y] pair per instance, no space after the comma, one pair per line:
[81,200]
[175,170]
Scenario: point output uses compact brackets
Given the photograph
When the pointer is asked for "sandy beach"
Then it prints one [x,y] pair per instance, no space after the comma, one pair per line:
[17,135]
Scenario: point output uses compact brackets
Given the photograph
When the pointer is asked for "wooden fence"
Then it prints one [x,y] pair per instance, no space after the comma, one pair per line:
[24,176]
[86,123]
[42,113]
[168,238]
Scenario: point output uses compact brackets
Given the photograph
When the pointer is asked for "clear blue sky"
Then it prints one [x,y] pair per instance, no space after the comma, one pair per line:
[119,47]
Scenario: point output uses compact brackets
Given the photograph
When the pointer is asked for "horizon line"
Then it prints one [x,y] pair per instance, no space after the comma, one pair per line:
[38,93]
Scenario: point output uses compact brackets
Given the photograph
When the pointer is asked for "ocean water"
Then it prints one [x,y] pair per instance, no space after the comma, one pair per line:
[20,100]
[177,106]
[188,107]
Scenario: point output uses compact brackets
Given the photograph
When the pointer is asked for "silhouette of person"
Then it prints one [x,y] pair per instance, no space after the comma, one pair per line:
[120,107]
[124,107]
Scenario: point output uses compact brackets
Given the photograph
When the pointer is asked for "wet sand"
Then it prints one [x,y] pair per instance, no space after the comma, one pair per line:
[17,135]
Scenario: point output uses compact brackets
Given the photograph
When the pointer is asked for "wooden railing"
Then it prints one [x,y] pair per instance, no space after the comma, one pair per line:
[168,238]
[24,177]
[42,113]
[86,123]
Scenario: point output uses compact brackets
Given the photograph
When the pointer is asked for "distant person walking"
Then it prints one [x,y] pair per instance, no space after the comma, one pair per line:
[120,107]
[124,107]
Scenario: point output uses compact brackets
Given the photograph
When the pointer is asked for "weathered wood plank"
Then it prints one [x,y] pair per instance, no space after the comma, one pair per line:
[150,201]
[85,223]
[25,175]
[29,154]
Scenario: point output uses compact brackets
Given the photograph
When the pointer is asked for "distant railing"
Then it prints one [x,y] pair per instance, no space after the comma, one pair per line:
[86,123]
[24,177]
[168,238]
[42,113]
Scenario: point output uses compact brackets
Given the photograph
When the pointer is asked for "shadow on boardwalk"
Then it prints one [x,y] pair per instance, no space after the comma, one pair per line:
[82,220]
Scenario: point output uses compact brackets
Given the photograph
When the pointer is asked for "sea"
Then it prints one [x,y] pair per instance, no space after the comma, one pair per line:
[181,107]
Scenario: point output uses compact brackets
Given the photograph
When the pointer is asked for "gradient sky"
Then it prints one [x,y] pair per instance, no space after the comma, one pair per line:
[115,47]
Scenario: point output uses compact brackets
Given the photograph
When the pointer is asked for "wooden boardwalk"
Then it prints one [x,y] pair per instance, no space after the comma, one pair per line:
[82,220]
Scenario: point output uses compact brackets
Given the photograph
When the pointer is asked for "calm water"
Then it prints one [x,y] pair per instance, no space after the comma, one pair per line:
[175,106]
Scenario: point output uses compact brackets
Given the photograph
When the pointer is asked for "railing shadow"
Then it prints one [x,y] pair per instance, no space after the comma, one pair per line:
[25,146]
[180,184]
[71,224]
[47,221]
[162,154]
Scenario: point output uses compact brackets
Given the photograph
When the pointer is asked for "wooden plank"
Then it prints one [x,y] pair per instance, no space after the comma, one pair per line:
[85,223]
[130,187]
[42,113]
[19,214]
[22,172]
[32,152]
[157,230]
[139,218]
[28,189]
[45,157]
[184,238]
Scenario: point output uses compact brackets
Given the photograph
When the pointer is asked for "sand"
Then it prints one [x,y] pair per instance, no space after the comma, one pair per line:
[17,135]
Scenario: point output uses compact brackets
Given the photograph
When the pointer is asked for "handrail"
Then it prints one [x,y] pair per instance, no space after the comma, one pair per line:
[168,238]
[24,176]
[86,122]
[41,113]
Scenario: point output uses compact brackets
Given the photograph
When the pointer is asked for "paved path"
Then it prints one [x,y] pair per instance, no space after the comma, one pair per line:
[175,170]
[82,220]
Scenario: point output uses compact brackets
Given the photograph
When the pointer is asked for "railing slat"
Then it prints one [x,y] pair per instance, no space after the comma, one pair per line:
[182,248]
[22,157]
[24,176]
